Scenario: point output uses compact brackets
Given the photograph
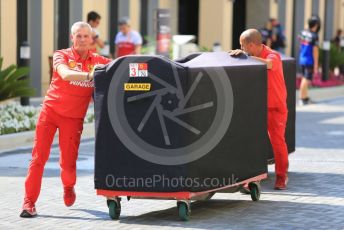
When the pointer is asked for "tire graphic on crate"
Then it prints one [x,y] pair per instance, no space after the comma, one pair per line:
[169,103]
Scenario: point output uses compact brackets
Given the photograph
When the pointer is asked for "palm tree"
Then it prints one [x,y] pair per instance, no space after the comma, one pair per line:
[13,82]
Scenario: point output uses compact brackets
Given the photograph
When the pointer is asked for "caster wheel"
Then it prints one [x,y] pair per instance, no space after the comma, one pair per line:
[114,209]
[116,199]
[183,211]
[254,190]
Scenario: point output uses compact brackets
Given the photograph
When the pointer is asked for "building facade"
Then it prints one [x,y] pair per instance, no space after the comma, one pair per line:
[45,24]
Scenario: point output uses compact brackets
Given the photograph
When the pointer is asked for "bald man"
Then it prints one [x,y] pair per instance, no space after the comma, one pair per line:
[251,44]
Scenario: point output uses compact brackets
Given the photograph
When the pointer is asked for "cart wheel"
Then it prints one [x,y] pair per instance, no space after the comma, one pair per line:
[254,190]
[183,211]
[114,209]
[116,199]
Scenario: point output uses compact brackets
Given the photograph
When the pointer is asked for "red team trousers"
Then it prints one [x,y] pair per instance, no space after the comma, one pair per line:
[277,120]
[70,130]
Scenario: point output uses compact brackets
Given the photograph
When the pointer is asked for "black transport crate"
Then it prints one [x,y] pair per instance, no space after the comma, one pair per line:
[202,119]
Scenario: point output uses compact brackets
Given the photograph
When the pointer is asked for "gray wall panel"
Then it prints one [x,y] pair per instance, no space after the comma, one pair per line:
[315,7]
[123,8]
[328,21]
[281,12]
[257,13]
[35,38]
[152,7]
[75,11]
[299,7]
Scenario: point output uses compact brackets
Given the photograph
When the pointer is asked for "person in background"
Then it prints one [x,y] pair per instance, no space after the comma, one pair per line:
[277,36]
[127,41]
[266,32]
[336,40]
[308,57]
[251,43]
[93,18]
[64,108]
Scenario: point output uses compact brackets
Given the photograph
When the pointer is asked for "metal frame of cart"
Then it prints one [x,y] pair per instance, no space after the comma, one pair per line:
[183,198]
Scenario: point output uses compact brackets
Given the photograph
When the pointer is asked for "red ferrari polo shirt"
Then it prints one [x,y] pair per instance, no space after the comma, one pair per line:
[71,98]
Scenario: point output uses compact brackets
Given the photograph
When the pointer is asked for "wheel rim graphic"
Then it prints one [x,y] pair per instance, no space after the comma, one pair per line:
[169,102]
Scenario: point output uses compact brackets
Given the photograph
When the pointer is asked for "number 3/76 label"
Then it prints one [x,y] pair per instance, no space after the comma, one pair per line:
[138,70]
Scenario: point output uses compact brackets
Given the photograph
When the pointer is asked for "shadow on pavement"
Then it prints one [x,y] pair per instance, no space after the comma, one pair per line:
[74,217]
[308,184]
[308,201]
[231,214]
[21,172]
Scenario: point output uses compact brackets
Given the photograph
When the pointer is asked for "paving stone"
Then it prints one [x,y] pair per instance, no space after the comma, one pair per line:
[314,198]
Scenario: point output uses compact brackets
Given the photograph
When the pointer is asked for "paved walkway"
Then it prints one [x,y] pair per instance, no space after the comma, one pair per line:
[314,199]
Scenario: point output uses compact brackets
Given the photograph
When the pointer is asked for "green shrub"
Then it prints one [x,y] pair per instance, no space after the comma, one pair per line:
[13,82]
[336,57]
